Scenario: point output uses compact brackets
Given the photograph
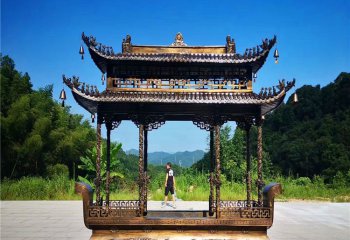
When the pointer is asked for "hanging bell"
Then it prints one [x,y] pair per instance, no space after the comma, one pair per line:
[81,52]
[295,98]
[103,78]
[276,55]
[63,96]
[93,118]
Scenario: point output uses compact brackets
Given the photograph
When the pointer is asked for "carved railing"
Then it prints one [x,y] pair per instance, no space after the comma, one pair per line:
[241,209]
[230,86]
[194,84]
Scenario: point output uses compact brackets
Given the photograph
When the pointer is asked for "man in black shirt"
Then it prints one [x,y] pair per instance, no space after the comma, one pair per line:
[169,184]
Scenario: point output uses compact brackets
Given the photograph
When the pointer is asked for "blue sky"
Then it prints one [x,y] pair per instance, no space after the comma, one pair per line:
[43,38]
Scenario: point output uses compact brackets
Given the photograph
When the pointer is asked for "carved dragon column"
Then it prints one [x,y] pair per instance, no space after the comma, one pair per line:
[260,183]
[141,168]
[211,178]
[217,168]
[98,162]
[145,161]
[108,164]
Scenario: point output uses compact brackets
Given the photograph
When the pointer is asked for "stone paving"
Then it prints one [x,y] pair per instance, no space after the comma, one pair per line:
[64,220]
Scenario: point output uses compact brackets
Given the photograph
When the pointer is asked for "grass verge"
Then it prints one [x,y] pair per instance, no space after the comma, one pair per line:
[61,188]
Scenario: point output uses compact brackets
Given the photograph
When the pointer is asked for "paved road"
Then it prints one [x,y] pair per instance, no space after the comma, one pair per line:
[64,220]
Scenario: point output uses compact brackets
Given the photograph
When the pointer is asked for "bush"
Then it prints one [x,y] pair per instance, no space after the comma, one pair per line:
[57,171]
[302,181]
[339,180]
[37,188]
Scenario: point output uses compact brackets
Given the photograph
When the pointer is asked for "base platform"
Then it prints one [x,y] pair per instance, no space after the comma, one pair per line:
[177,235]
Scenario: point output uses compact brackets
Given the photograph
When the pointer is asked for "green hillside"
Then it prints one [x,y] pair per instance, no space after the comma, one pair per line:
[312,137]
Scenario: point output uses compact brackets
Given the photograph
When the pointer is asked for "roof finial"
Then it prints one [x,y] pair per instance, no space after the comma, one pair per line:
[179,41]
[126,45]
[230,45]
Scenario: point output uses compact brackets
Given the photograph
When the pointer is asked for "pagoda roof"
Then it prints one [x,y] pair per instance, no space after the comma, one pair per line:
[178,105]
[178,53]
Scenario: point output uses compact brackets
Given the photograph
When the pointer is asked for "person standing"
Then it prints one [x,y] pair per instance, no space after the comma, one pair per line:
[169,185]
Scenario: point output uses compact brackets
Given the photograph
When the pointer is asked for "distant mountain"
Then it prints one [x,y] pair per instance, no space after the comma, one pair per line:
[132,152]
[184,159]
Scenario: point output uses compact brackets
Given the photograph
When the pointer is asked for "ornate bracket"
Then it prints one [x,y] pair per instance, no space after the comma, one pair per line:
[203,125]
[109,121]
[150,122]
[245,123]
[208,122]
[259,120]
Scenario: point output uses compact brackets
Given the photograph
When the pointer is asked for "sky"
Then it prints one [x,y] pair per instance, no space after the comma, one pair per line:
[43,37]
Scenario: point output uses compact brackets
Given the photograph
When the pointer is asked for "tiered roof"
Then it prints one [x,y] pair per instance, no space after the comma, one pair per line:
[179,53]
[225,78]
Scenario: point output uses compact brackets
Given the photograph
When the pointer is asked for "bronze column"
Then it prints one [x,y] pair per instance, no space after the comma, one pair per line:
[260,182]
[217,172]
[98,162]
[145,161]
[141,166]
[248,159]
[211,178]
[108,166]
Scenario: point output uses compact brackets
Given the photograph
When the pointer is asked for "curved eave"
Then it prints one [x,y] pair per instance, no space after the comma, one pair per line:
[91,103]
[270,106]
[87,103]
[102,61]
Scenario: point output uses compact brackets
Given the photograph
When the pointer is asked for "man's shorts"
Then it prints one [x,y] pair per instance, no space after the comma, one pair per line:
[169,189]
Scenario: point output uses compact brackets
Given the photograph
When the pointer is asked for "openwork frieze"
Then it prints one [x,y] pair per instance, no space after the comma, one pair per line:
[259,212]
[243,209]
[237,204]
[115,209]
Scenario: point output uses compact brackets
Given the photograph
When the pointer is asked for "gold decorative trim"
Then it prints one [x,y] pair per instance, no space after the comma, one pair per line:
[179,90]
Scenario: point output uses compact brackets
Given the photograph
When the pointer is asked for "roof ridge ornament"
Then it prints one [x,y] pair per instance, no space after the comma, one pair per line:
[179,41]
[126,45]
[230,45]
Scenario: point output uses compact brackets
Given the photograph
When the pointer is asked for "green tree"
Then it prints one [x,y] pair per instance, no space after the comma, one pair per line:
[232,154]
[35,130]
[89,165]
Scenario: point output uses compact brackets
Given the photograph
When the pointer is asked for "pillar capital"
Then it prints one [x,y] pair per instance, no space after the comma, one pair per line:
[245,123]
[259,120]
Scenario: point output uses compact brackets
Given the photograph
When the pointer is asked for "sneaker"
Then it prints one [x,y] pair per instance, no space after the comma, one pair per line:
[163,205]
[174,206]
